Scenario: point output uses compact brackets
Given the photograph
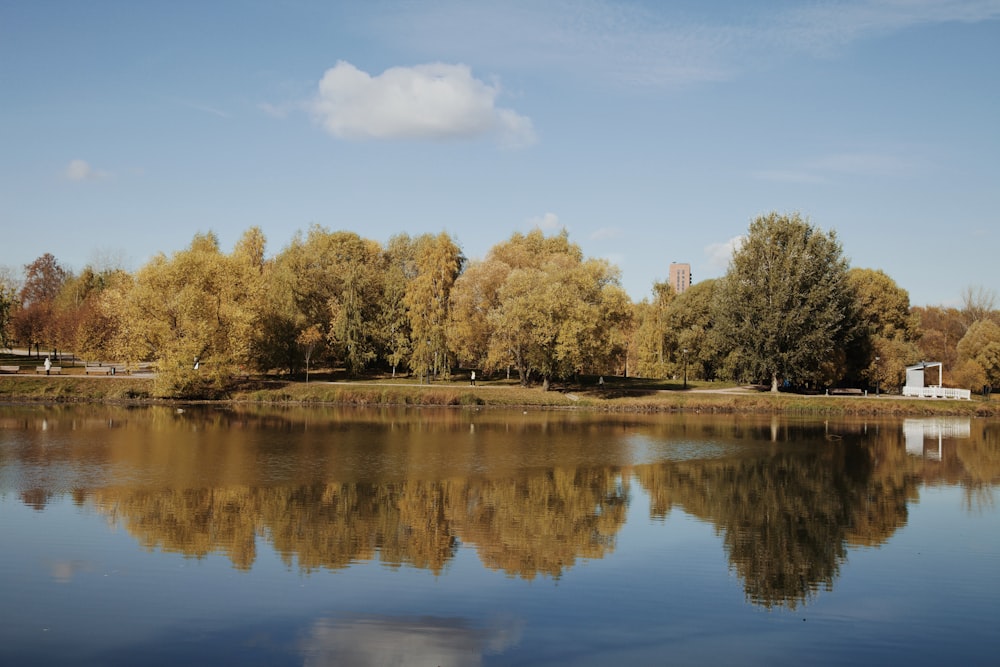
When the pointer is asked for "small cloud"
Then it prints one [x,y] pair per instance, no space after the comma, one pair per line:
[81,170]
[719,254]
[787,176]
[827,168]
[65,570]
[545,222]
[434,101]
[605,233]
[204,108]
[274,110]
[865,164]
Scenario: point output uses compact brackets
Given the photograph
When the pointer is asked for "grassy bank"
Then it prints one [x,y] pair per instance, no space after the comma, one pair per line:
[73,388]
[614,397]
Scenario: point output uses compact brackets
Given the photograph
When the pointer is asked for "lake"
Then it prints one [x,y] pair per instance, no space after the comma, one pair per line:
[341,536]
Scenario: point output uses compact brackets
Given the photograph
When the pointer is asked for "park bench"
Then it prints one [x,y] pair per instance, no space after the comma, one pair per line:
[54,370]
[98,370]
[10,369]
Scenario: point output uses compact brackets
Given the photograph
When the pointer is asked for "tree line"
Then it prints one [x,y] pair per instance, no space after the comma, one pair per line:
[790,311]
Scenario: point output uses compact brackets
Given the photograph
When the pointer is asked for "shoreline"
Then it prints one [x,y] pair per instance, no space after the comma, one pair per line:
[617,398]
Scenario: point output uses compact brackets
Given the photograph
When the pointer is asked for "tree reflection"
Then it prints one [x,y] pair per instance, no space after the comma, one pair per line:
[786,518]
[532,494]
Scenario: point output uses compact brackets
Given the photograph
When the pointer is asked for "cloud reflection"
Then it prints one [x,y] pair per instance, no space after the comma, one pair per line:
[383,640]
[63,571]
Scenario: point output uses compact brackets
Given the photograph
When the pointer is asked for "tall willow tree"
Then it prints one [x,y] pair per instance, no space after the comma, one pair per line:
[335,279]
[194,313]
[393,321]
[537,306]
[438,261]
[651,340]
[785,304]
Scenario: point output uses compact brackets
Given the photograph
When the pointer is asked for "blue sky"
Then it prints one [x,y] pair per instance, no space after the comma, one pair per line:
[652,131]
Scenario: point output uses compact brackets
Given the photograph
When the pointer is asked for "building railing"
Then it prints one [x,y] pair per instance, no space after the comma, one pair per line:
[937,392]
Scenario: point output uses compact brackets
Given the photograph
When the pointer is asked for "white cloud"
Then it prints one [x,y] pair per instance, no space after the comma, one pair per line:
[605,233]
[81,170]
[656,44]
[826,168]
[202,107]
[787,176]
[432,101]
[719,254]
[274,110]
[596,39]
[866,164]
[823,26]
[545,222]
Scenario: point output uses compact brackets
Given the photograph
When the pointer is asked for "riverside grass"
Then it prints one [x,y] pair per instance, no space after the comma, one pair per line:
[700,398]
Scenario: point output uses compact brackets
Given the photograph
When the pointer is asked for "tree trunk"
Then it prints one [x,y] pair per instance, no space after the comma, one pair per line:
[774,383]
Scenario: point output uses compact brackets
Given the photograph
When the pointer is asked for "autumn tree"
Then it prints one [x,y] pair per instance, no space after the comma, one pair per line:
[335,281]
[393,321]
[882,344]
[194,313]
[979,303]
[310,340]
[87,326]
[652,335]
[939,330]
[34,321]
[438,262]
[8,305]
[689,318]
[476,294]
[980,347]
[541,308]
[784,304]
[280,323]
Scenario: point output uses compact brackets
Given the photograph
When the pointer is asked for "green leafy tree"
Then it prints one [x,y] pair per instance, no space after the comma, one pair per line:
[689,317]
[652,338]
[784,303]
[882,344]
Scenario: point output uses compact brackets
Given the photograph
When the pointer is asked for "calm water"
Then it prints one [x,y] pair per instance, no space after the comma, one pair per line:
[444,537]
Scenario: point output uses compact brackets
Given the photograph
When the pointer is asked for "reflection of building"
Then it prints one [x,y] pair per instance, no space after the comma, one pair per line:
[680,277]
[918,431]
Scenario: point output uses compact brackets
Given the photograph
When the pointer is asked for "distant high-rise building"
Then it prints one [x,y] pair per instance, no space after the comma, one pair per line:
[680,277]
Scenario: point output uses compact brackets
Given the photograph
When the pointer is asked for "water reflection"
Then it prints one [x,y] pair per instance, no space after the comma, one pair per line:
[531,493]
[405,641]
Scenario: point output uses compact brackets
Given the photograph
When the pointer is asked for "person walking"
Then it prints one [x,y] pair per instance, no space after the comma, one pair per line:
[472,379]
[48,365]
